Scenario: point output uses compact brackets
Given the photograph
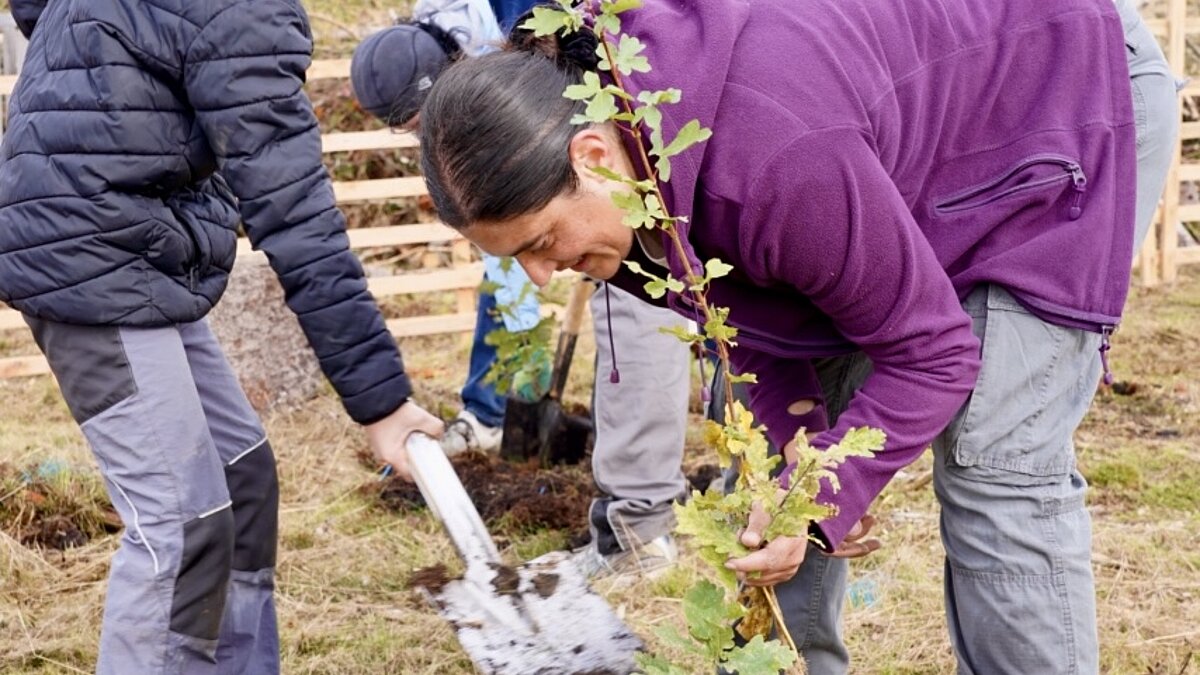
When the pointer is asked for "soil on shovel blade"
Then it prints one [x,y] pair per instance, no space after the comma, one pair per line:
[511,498]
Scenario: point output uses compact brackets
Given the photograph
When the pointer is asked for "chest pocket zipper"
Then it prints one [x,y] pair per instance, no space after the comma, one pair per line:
[1028,175]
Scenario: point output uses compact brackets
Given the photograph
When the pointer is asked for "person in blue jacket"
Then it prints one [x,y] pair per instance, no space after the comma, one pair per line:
[140,136]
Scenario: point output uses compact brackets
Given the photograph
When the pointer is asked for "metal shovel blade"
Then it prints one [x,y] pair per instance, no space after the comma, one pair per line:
[539,618]
[550,622]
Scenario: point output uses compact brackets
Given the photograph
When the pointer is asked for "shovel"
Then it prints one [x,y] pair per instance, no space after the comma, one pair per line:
[539,618]
[541,428]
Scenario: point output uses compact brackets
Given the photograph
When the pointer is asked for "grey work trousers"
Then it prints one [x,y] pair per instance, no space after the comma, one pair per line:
[189,470]
[1019,591]
[640,420]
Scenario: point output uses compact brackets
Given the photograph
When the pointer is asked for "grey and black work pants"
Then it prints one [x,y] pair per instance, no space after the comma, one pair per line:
[187,464]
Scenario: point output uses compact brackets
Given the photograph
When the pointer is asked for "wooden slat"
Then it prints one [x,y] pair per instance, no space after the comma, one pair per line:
[380,139]
[1189,130]
[1189,172]
[432,325]
[1160,27]
[28,366]
[1188,256]
[350,191]
[23,366]
[328,69]
[390,235]
[467,276]
[1189,213]
[10,319]
[321,69]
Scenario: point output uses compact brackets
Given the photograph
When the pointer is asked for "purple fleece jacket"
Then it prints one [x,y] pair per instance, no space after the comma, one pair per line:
[873,162]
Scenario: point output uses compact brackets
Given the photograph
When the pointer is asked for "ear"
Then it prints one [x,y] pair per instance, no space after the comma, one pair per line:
[597,146]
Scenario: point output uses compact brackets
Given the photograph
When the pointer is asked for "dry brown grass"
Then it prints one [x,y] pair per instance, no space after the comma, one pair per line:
[344,608]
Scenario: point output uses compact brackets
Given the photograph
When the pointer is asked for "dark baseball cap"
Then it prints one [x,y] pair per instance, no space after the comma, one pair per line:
[393,70]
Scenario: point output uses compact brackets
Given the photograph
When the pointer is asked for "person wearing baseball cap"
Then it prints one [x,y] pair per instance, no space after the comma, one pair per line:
[392,88]
[390,73]
[636,458]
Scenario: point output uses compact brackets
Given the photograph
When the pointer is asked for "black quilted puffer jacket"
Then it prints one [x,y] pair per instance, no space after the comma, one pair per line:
[140,133]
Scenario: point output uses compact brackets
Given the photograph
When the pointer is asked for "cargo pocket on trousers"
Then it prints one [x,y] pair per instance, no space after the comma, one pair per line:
[1032,390]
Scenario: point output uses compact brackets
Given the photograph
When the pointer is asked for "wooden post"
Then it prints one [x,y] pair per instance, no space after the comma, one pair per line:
[460,253]
[1176,57]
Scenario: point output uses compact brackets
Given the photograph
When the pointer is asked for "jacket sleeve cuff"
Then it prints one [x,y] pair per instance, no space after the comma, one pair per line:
[381,400]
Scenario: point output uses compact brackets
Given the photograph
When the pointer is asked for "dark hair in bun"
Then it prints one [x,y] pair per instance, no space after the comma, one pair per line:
[496,129]
[573,50]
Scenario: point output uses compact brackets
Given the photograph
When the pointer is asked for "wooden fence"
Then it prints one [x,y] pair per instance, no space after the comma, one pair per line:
[1161,257]
[1158,261]
[461,278]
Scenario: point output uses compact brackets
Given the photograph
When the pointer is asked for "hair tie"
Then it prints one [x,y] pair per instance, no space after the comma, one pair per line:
[579,49]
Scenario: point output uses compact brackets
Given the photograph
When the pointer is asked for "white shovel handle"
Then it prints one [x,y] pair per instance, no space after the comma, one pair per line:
[444,494]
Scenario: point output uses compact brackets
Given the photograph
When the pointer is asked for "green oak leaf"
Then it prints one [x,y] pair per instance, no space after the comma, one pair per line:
[618,92]
[682,333]
[629,57]
[548,20]
[715,269]
[619,6]
[659,287]
[717,329]
[671,636]
[662,167]
[585,90]
[656,665]
[599,110]
[691,134]
[635,210]
[605,23]
[710,617]
[670,95]
[758,656]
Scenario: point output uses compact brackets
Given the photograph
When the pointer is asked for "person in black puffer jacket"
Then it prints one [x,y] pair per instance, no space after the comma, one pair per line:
[141,132]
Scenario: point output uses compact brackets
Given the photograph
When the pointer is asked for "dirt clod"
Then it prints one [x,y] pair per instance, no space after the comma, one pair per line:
[433,578]
[506,580]
[545,584]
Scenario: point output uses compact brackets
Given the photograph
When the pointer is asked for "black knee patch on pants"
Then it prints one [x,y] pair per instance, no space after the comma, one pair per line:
[254,490]
[203,578]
